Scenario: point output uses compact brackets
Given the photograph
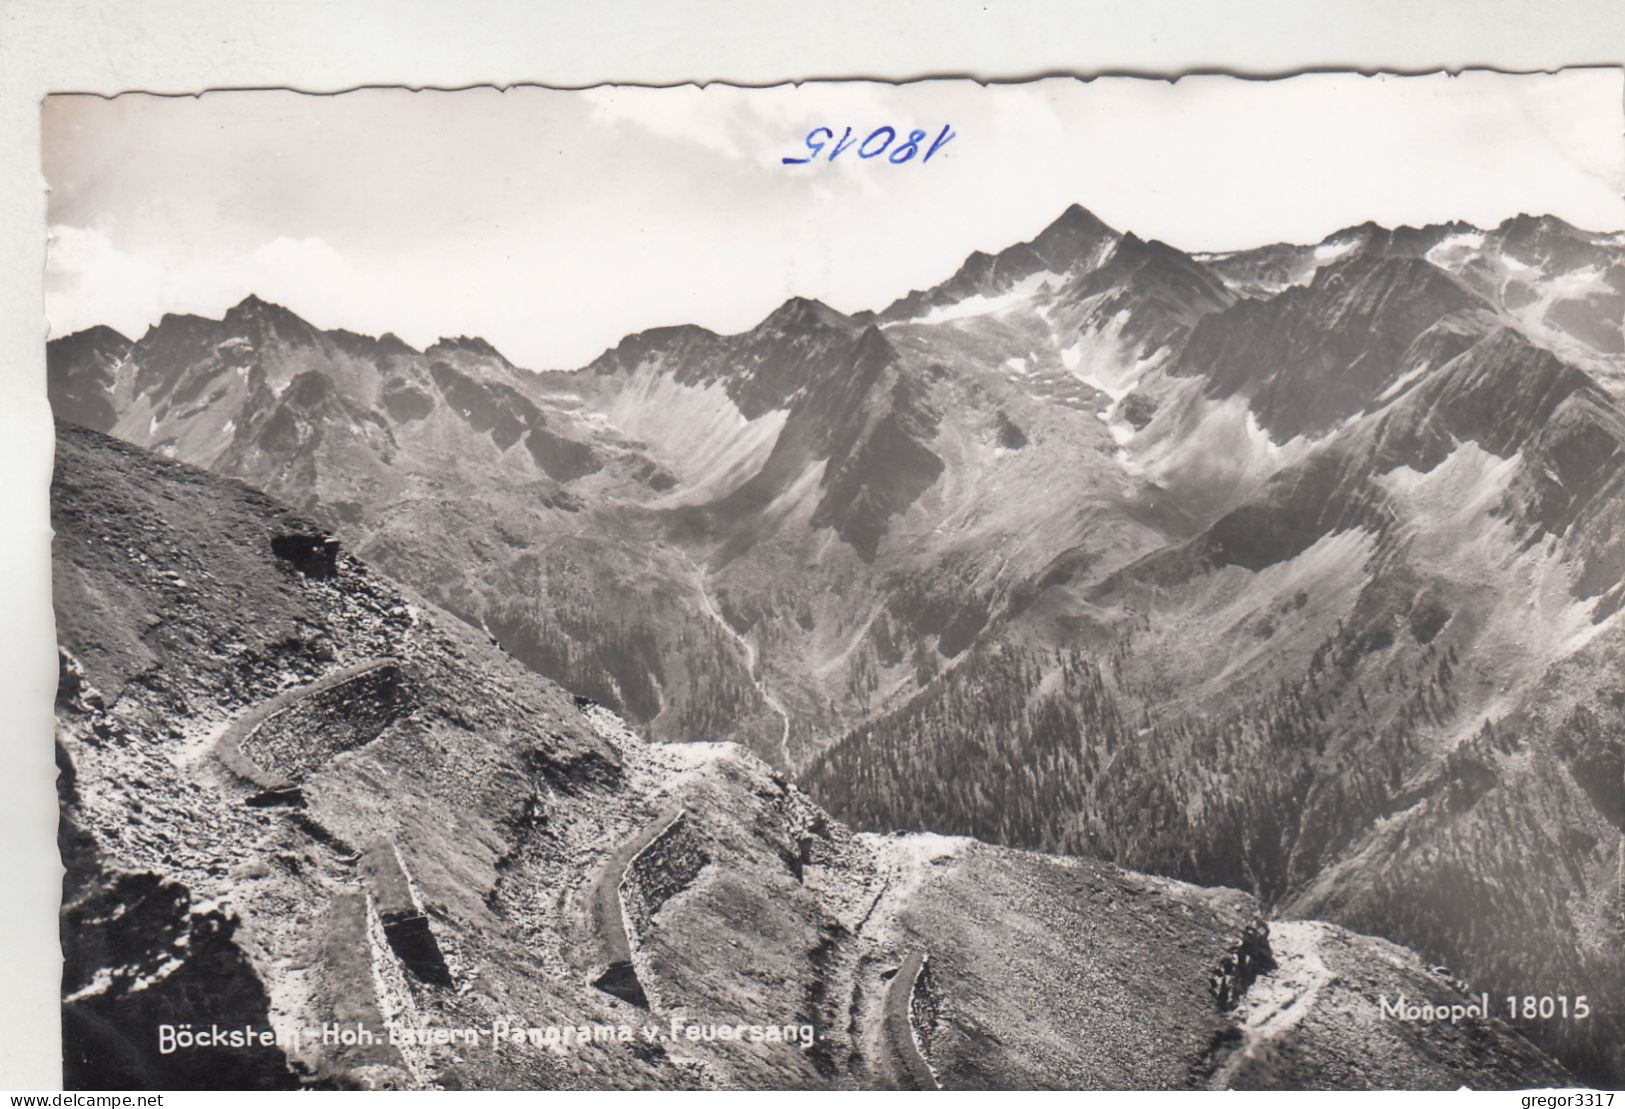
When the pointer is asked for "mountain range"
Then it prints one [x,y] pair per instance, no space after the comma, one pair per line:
[1294,569]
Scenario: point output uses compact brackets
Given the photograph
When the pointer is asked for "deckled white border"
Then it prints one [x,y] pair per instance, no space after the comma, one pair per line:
[182,46]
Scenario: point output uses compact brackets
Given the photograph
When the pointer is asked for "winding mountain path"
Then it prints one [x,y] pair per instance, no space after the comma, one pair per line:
[751,662]
[1278,1000]
[881,1005]
[231,748]
[619,975]
[912,1072]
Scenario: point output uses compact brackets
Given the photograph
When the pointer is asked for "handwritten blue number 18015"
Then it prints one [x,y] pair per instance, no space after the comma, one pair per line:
[874,145]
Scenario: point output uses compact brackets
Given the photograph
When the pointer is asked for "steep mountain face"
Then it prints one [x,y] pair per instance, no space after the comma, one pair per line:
[1562,285]
[1425,533]
[841,404]
[1076,241]
[1256,569]
[83,371]
[298,797]
[1313,356]
[449,467]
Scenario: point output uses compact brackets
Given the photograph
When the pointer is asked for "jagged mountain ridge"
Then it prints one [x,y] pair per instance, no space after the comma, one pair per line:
[1221,478]
[1562,283]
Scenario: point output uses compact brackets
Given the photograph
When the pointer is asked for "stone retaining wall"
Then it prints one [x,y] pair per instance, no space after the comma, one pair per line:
[318,722]
[668,864]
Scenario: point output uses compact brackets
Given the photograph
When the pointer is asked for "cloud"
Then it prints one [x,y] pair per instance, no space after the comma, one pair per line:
[306,271]
[678,114]
[753,125]
[91,280]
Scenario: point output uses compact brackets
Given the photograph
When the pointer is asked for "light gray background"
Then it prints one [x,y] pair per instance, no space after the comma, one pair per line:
[185,46]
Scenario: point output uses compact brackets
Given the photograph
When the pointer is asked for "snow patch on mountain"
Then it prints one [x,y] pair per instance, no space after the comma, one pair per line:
[1455,243]
[1331,251]
[696,431]
[1102,359]
[1212,451]
[1400,384]
[1582,282]
[979,304]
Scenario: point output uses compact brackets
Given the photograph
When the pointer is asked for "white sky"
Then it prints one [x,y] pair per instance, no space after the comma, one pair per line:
[554,222]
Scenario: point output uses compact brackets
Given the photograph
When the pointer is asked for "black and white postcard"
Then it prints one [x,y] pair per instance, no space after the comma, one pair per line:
[1105,584]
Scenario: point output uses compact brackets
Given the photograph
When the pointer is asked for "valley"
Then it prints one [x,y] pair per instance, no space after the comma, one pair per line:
[1293,570]
[461,847]
[751,664]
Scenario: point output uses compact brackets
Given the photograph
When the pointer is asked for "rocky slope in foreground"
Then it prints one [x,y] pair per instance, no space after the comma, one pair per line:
[295,795]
